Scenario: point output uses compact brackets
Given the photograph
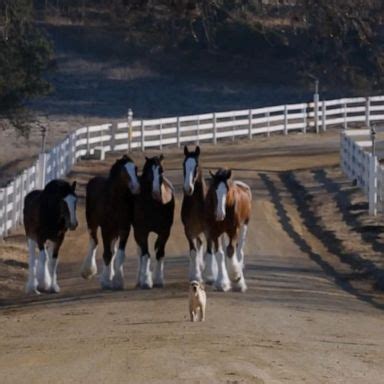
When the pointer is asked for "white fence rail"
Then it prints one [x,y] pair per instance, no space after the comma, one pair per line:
[156,133]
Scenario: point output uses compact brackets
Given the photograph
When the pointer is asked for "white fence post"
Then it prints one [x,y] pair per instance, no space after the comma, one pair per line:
[14,202]
[267,116]
[324,116]
[214,136]
[161,135]
[368,112]
[41,170]
[345,115]
[2,210]
[88,143]
[316,111]
[285,120]
[142,136]
[178,133]
[198,131]
[373,165]
[23,193]
[130,118]
[5,202]
[112,132]
[250,124]
[305,120]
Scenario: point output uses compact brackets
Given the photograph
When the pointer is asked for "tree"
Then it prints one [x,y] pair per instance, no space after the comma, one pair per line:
[344,38]
[25,54]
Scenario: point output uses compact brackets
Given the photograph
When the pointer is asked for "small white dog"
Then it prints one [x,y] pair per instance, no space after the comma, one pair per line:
[197,300]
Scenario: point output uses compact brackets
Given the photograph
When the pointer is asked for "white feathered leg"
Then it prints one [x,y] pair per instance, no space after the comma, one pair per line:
[145,273]
[32,283]
[118,278]
[43,274]
[89,267]
[222,283]
[108,270]
[159,273]
[241,244]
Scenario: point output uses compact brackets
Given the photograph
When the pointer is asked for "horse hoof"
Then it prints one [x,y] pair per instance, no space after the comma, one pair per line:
[222,287]
[87,274]
[55,288]
[209,280]
[240,286]
[31,290]
[117,285]
[159,284]
[146,285]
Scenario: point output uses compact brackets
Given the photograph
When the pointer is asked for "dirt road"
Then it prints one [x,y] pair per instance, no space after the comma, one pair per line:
[299,322]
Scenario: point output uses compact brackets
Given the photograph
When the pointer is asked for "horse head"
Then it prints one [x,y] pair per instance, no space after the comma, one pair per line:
[152,176]
[221,185]
[125,171]
[190,169]
[60,199]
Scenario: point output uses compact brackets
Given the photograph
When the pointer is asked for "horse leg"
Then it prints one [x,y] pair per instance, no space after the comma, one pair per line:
[194,261]
[241,244]
[235,268]
[43,275]
[53,265]
[31,286]
[222,283]
[89,267]
[108,272]
[145,274]
[210,270]
[160,251]
[118,278]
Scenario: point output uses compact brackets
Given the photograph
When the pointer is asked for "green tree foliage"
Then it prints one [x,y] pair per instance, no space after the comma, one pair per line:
[25,55]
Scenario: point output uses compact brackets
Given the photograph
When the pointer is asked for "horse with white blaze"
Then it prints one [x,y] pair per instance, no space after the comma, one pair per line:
[154,210]
[228,211]
[192,217]
[109,205]
[48,214]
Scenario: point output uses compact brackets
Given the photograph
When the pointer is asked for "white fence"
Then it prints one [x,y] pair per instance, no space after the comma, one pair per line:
[156,133]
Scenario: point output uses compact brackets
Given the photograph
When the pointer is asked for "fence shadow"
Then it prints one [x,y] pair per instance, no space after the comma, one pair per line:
[302,204]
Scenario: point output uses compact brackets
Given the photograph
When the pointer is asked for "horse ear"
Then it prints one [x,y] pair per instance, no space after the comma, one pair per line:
[161,157]
[197,150]
[186,152]
[212,175]
[229,173]
[125,157]
[146,158]
[74,186]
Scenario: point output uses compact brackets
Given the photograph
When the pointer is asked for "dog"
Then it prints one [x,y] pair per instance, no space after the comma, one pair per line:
[197,300]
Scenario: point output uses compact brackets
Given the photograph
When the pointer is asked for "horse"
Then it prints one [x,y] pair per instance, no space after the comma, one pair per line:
[109,205]
[227,211]
[192,217]
[153,212]
[47,214]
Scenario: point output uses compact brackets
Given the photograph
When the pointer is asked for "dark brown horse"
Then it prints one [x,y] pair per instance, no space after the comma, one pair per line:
[48,214]
[227,211]
[109,205]
[192,217]
[154,209]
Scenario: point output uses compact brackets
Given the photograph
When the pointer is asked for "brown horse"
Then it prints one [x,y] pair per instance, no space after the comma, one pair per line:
[192,217]
[48,214]
[154,209]
[109,205]
[227,211]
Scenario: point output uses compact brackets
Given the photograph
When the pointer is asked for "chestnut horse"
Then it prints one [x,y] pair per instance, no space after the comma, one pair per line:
[154,209]
[48,214]
[192,217]
[109,205]
[227,211]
